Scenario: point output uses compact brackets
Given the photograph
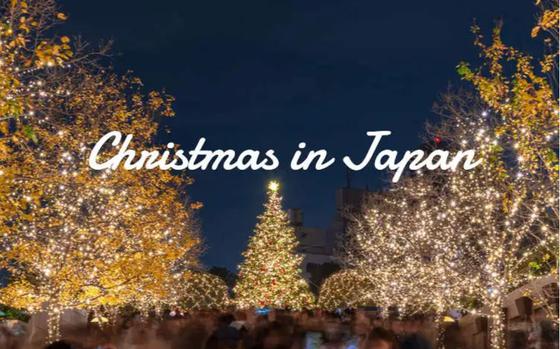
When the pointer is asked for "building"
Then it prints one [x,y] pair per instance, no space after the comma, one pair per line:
[529,311]
[319,245]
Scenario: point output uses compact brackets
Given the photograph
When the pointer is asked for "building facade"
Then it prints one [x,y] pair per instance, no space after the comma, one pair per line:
[319,245]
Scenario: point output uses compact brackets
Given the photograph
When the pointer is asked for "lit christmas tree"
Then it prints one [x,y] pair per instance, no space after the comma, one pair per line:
[270,275]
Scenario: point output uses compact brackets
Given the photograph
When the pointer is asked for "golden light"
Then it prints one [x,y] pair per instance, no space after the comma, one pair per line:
[273,185]
[270,274]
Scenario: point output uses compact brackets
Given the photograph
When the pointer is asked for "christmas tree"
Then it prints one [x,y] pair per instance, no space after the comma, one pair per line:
[270,275]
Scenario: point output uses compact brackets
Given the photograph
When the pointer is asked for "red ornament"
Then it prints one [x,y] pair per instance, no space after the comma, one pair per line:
[437,140]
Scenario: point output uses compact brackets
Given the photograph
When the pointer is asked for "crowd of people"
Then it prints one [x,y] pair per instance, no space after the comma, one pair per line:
[259,329]
[247,330]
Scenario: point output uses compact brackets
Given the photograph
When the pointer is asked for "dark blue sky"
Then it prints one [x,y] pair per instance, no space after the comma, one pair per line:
[268,74]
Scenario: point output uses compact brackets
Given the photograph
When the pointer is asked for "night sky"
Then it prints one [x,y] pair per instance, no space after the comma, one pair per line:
[268,74]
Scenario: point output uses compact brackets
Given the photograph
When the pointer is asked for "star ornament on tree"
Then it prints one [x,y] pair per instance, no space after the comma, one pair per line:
[273,186]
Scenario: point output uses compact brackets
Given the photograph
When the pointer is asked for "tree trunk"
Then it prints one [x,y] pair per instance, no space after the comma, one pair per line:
[497,324]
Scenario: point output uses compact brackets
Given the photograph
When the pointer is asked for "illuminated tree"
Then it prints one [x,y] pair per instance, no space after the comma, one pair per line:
[521,92]
[270,274]
[396,243]
[31,64]
[515,198]
[87,239]
[347,289]
[475,234]
[78,238]
[438,239]
[195,290]
[501,212]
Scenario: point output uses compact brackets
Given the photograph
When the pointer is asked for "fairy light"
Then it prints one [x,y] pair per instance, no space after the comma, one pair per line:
[75,238]
[432,241]
[347,289]
[196,290]
[270,275]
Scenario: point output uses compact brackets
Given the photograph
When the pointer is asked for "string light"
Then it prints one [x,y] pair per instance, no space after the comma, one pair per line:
[270,275]
[89,240]
[436,240]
